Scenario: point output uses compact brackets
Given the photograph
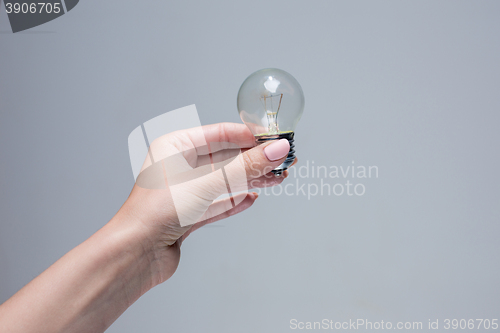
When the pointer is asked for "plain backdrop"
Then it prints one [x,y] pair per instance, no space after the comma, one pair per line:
[409,86]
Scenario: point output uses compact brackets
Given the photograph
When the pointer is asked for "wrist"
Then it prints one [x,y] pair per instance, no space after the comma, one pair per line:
[126,238]
[140,231]
[90,286]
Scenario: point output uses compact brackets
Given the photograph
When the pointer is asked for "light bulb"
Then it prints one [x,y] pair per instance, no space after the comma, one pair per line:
[270,103]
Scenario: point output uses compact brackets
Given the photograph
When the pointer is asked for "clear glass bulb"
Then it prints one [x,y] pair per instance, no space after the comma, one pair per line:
[271,103]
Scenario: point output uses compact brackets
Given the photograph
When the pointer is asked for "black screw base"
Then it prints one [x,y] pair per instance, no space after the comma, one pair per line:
[291,154]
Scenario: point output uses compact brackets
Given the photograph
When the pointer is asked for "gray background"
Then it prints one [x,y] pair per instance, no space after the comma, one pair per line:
[412,87]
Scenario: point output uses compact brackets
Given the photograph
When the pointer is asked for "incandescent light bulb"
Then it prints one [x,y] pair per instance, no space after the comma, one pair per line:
[270,103]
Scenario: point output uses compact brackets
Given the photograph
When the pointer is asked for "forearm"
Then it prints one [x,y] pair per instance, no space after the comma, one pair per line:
[88,288]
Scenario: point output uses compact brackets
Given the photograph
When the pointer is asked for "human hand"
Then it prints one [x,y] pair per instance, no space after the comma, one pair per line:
[175,194]
[183,175]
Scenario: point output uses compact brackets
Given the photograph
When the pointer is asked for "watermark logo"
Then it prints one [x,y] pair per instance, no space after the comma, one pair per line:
[310,180]
[25,15]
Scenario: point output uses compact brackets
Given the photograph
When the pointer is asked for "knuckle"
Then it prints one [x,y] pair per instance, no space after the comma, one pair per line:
[251,165]
[222,132]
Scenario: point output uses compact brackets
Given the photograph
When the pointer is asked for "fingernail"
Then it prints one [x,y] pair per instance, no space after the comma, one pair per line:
[277,150]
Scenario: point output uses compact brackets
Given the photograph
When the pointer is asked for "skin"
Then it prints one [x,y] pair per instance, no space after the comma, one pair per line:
[93,284]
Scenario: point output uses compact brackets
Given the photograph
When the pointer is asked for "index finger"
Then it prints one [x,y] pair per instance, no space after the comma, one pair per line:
[229,135]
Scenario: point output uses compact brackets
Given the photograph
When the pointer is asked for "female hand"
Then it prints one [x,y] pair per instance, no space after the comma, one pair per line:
[183,175]
[175,194]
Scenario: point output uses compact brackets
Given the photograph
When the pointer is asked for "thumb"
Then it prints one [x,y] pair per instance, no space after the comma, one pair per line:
[193,197]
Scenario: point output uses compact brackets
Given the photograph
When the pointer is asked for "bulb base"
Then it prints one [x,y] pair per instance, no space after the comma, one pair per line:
[291,154]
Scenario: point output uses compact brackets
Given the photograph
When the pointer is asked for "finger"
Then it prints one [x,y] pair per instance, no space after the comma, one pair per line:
[256,162]
[268,180]
[225,155]
[243,205]
[199,141]
[236,134]
[220,206]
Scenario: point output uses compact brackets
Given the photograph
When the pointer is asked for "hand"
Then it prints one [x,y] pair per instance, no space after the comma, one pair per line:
[176,191]
[175,194]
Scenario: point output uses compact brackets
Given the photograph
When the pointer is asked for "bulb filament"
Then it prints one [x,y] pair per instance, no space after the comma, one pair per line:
[272,104]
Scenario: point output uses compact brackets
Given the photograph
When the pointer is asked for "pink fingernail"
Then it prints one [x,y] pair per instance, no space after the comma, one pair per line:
[277,150]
